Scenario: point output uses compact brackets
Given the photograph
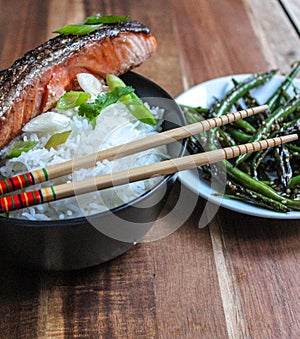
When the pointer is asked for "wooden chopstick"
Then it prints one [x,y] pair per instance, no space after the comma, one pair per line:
[166,167]
[48,173]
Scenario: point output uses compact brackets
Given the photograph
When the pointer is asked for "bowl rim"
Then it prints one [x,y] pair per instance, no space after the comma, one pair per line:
[80,220]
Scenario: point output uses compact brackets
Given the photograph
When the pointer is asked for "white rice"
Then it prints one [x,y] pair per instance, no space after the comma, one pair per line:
[115,125]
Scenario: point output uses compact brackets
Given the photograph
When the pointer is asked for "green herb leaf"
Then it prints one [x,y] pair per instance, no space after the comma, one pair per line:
[115,95]
[72,99]
[19,147]
[105,19]
[57,139]
[92,110]
[79,29]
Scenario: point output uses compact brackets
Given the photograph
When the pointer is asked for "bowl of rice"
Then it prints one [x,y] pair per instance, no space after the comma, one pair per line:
[87,230]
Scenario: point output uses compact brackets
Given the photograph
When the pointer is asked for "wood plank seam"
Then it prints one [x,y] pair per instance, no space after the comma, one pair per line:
[292,11]
[235,317]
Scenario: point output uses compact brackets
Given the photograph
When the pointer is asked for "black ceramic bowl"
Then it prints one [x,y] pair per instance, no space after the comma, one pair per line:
[77,243]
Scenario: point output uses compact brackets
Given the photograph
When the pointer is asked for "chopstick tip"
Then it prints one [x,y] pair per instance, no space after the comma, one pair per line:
[290,137]
[284,139]
[258,109]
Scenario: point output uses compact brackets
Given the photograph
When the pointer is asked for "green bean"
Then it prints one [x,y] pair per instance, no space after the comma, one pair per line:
[285,95]
[274,98]
[291,126]
[238,135]
[251,183]
[279,114]
[259,187]
[225,139]
[294,148]
[250,101]
[240,193]
[199,109]
[259,184]
[287,128]
[295,155]
[241,89]
[237,92]
[245,126]
[294,181]
[193,117]
[235,82]
[257,160]
[194,146]
[272,101]
[284,169]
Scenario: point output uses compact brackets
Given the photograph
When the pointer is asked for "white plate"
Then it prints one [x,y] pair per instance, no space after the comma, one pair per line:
[203,95]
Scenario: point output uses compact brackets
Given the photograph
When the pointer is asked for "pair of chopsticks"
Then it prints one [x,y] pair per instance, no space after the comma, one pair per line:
[47,194]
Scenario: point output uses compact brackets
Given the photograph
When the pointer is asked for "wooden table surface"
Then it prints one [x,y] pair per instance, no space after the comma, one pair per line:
[236,278]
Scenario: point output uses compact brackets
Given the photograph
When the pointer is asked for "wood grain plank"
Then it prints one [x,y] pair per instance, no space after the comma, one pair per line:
[212,43]
[278,39]
[188,302]
[19,302]
[236,320]
[71,12]
[112,301]
[264,255]
[22,28]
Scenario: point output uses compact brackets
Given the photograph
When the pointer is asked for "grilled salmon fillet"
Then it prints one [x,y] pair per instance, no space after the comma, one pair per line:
[34,83]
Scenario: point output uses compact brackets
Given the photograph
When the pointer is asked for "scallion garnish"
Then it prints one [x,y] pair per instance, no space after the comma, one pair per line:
[105,19]
[57,139]
[19,147]
[72,99]
[80,29]
[91,24]
[133,103]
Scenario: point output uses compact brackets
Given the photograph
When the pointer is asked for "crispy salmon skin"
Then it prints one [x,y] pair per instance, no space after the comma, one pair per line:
[34,83]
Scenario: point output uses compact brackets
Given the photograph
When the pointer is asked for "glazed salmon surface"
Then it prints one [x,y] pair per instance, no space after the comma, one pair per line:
[34,83]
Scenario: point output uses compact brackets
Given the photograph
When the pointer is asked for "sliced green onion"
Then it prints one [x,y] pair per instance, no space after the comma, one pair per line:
[57,139]
[19,147]
[105,19]
[139,111]
[91,24]
[79,29]
[133,103]
[72,99]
